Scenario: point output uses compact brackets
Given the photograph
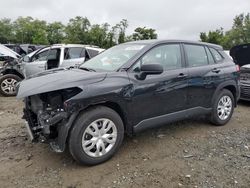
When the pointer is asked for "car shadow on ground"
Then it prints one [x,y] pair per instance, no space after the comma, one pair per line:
[137,141]
[244,103]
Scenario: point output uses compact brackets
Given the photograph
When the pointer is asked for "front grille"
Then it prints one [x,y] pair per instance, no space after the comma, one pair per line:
[245,91]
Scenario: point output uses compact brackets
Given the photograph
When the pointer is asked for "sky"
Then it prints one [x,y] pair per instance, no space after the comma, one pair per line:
[172,19]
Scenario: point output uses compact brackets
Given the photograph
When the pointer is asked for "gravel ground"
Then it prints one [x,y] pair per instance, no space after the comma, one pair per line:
[189,153]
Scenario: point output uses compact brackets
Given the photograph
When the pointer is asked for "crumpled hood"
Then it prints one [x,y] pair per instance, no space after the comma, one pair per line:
[57,79]
[7,52]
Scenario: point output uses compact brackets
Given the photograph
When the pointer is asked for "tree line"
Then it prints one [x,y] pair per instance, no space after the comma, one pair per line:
[238,34]
[77,30]
[80,30]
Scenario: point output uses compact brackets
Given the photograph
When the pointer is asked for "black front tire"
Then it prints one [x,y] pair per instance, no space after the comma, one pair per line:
[215,119]
[8,77]
[83,121]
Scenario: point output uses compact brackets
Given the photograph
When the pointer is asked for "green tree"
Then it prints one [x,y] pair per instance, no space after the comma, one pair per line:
[112,37]
[122,26]
[98,35]
[143,33]
[39,32]
[23,30]
[28,30]
[55,32]
[77,30]
[215,37]
[238,34]
[6,31]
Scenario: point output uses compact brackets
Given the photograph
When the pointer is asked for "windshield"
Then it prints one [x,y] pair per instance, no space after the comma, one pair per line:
[113,58]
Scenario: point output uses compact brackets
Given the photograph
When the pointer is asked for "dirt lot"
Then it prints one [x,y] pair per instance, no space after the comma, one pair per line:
[190,153]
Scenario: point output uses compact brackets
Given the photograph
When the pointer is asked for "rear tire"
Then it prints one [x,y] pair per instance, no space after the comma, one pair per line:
[8,84]
[96,135]
[223,108]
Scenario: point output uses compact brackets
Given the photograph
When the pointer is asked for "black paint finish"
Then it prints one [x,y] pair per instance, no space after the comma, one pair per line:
[161,98]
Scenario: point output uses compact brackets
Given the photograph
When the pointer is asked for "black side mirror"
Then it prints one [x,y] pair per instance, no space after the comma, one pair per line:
[149,69]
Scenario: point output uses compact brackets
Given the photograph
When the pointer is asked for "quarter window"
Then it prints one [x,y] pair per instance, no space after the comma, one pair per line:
[196,55]
[216,54]
[92,53]
[209,56]
[169,56]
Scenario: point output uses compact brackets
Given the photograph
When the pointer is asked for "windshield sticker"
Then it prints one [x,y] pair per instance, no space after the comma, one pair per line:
[136,47]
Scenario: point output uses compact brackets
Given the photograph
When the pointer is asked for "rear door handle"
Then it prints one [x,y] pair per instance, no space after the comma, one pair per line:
[215,70]
[182,75]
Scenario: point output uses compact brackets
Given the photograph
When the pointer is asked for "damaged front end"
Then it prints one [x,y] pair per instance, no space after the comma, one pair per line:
[47,117]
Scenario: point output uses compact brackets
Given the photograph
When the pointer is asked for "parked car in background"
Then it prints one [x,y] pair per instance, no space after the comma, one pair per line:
[23,49]
[241,56]
[59,55]
[126,89]
[55,56]
[7,83]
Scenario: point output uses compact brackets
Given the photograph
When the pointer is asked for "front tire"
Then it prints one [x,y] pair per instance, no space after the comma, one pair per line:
[8,84]
[96,135]
[223,108]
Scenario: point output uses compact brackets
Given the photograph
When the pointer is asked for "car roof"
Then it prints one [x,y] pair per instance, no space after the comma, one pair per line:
[158,41]
[75,45]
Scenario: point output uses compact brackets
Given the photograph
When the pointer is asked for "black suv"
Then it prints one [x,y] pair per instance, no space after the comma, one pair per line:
[126,89]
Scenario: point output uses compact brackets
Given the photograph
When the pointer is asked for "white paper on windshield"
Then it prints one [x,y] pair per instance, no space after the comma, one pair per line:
[135,47]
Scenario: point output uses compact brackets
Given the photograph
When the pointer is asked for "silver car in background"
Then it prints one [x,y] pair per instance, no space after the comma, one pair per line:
[50,57]
[55,56]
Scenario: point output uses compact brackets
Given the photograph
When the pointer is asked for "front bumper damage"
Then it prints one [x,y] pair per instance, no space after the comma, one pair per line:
[53,130]
[47,120]
[48,128]
[51,103]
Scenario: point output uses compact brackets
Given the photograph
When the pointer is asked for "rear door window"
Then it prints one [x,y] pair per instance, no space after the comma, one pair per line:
[196,55]
[74,53]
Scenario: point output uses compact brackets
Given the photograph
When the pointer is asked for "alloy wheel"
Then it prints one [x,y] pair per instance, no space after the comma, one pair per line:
[224,107]
[9,85]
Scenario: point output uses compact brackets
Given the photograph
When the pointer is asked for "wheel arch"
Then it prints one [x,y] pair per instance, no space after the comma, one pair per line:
[13,71]
[63,135]
[231,86]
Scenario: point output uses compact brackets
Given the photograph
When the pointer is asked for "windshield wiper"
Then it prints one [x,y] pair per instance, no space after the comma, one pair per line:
[87,69]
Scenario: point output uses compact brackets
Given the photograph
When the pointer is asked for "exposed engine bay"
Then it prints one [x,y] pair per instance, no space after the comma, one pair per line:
[45,113]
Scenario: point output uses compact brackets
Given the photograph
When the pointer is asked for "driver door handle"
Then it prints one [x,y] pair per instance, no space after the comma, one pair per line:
[182,75]
[215,70]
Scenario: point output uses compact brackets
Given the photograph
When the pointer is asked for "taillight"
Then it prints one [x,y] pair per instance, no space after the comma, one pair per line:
[237,68]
